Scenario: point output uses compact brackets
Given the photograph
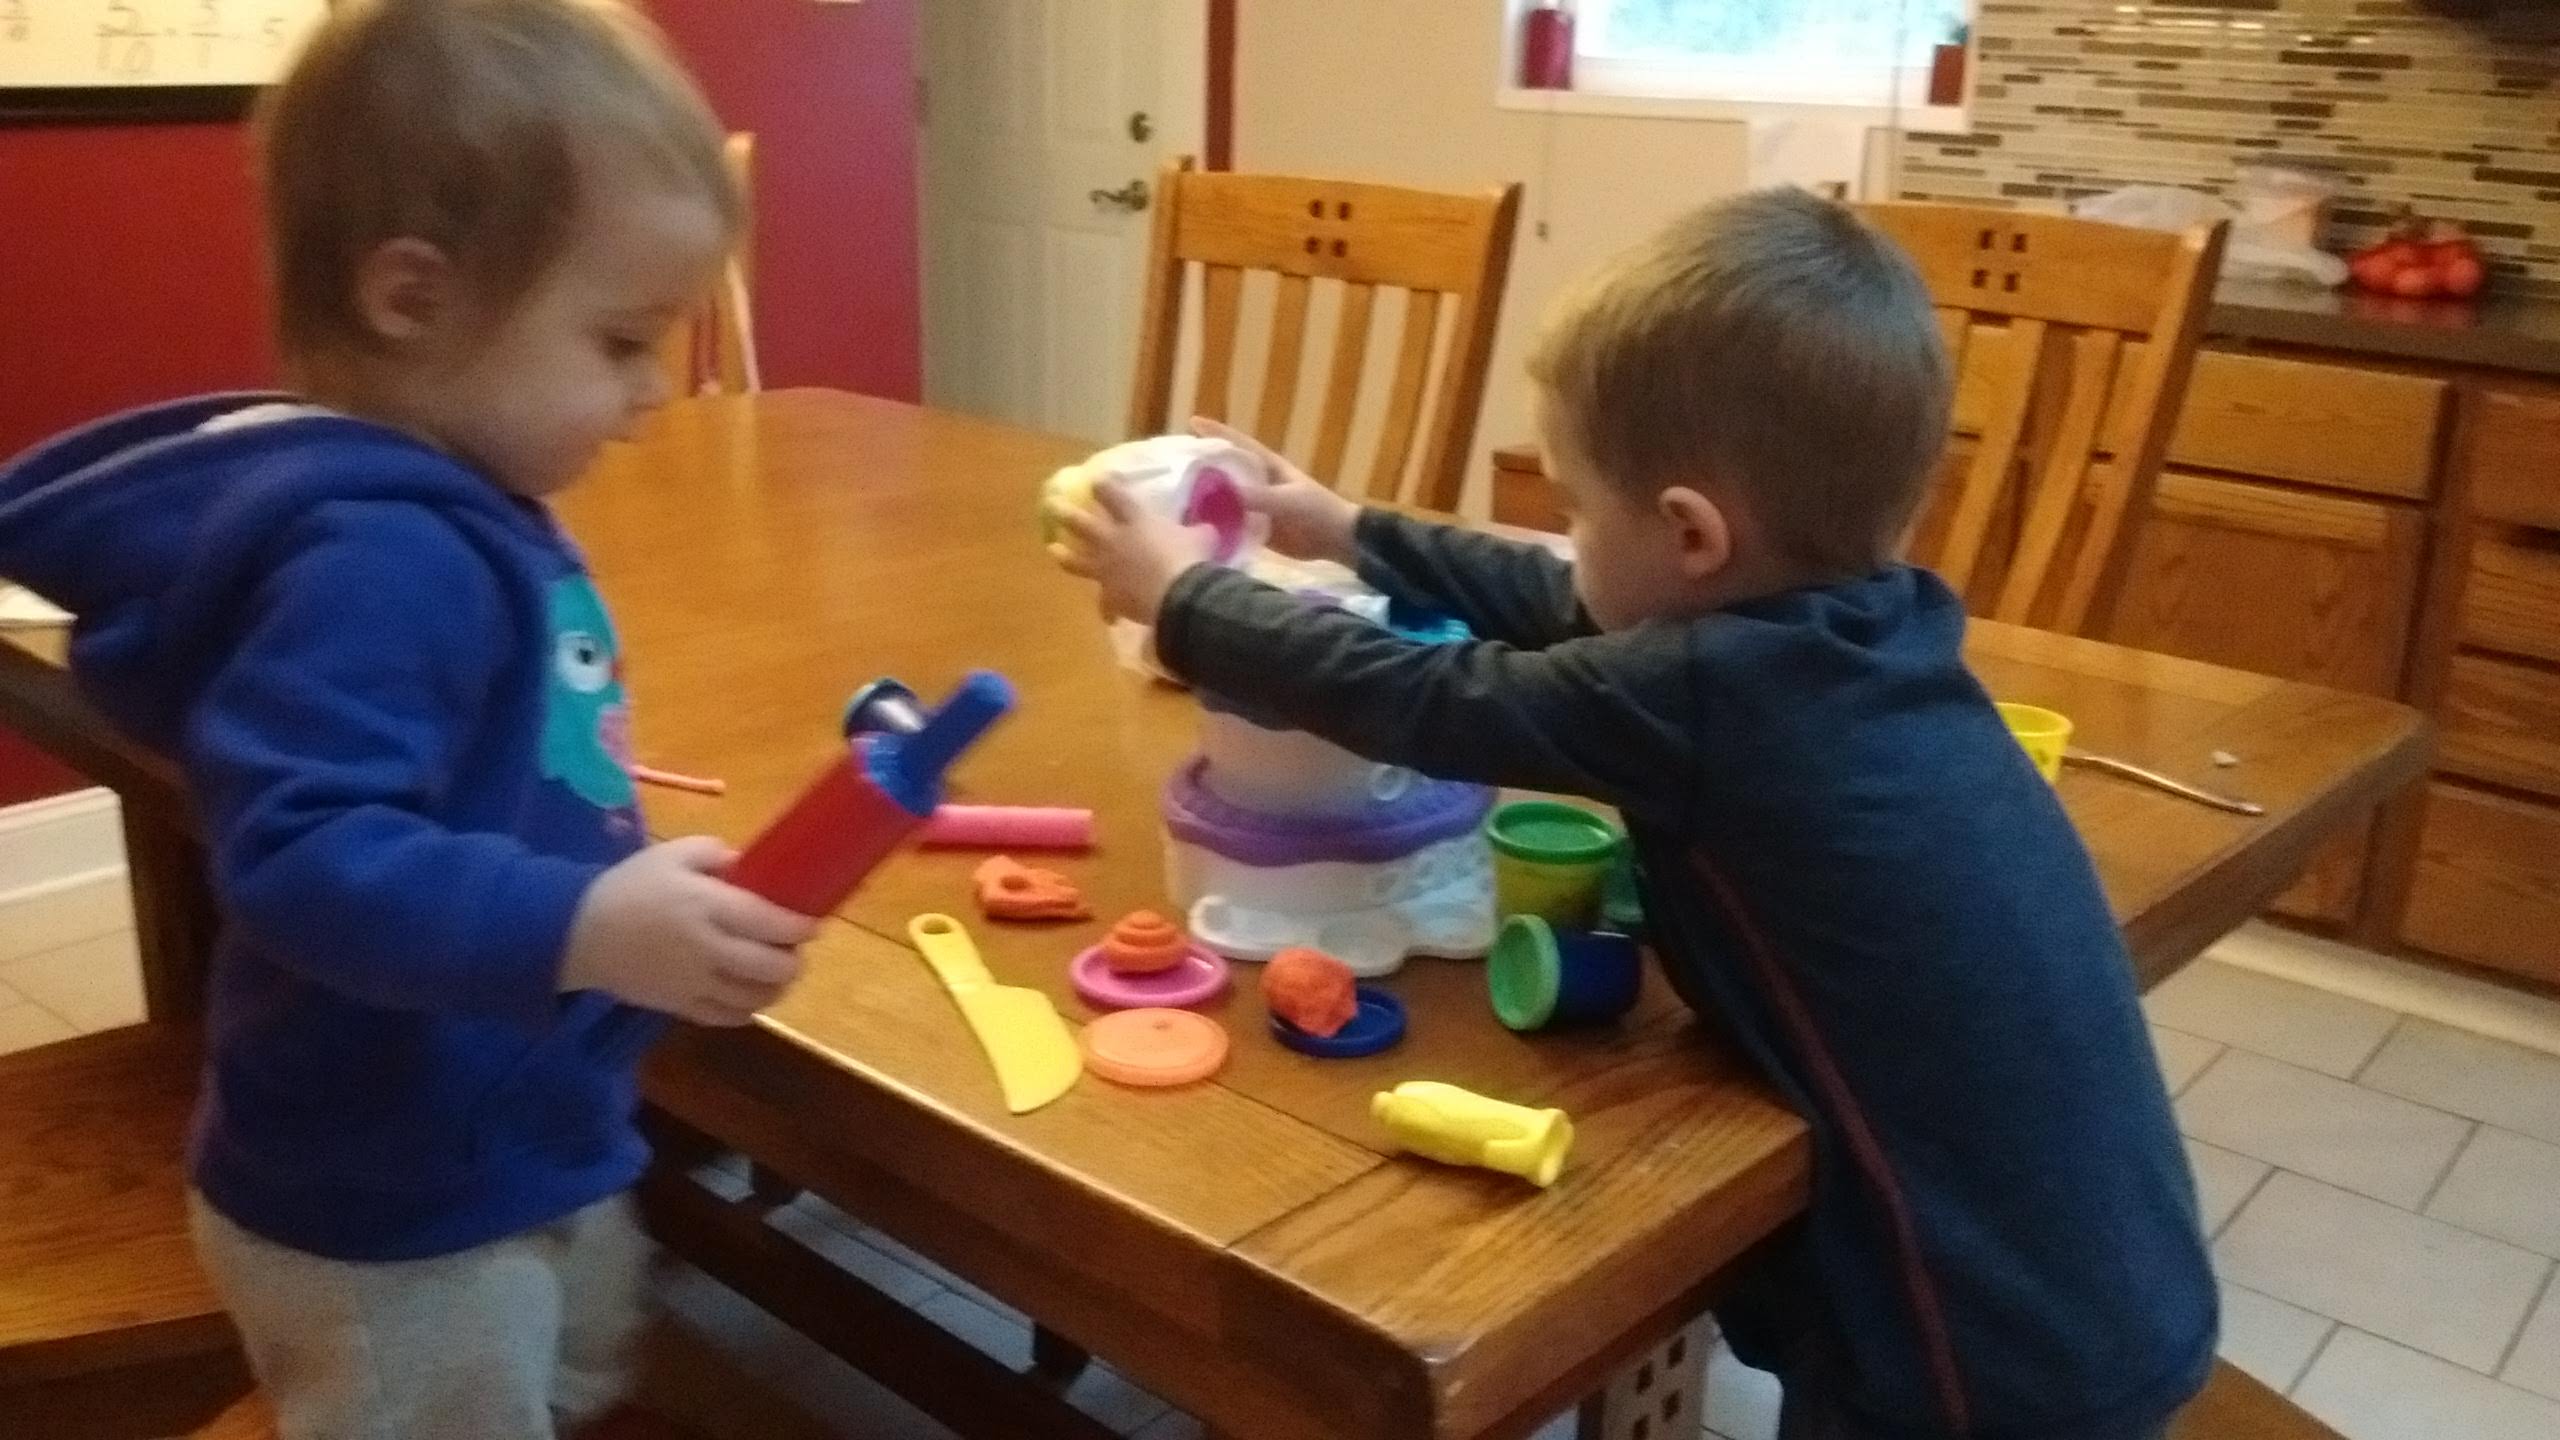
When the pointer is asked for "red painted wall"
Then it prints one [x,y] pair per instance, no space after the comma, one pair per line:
[131,273]
[830,92]
[129,266]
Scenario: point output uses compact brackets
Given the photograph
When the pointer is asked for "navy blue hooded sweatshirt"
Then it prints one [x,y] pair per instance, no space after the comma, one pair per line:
[1848,864]
[394,695]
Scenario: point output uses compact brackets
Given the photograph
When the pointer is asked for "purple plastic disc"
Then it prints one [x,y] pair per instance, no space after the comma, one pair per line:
[1196,979]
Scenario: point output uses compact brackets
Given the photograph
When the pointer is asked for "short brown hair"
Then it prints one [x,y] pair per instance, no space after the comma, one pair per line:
[469,124]
[1772,342]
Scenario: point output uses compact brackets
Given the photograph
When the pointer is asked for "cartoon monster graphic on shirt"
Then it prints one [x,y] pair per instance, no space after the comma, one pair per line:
[586,720]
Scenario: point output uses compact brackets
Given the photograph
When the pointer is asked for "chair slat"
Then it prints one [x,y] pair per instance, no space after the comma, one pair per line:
[1443,249]
[1404,400]
[2057,491]
[1280,377]
[2121,490]
[2013,394]
[1221,297]
[1954,326]
[1342,388]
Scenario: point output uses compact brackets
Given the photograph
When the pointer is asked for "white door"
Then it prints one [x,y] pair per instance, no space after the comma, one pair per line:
[1039,118]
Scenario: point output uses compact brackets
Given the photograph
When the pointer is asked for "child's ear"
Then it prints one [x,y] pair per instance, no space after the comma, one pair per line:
[404,289]
[1701,534]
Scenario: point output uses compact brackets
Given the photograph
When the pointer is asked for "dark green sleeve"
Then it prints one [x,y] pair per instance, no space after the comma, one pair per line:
[1609,717]
[1507,590]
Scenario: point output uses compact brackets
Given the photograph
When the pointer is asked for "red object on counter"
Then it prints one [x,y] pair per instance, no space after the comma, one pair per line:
[1546,47]
[2420,260]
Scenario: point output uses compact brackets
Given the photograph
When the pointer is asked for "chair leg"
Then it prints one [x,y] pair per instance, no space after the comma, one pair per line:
[769,1189]
[1660,1393]
[1055,1358]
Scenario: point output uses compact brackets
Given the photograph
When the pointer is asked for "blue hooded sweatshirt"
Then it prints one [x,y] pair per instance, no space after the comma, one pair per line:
[394,694]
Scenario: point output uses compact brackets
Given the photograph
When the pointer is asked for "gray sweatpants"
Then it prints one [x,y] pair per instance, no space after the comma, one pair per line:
[513,1340]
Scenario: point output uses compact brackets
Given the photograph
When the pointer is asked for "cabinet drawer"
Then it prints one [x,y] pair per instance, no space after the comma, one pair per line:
[2514,456]
[2502,723]
[2487,885]
[2301,420]
[2320,424]
[2512,600]
[2284,582]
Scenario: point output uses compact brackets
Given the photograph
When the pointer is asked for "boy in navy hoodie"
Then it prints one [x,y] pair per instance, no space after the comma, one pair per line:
[346,612]
[1844,855]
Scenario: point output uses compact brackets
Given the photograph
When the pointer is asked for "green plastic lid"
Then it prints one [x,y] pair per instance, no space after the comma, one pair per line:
[1523,973]
[1547,831]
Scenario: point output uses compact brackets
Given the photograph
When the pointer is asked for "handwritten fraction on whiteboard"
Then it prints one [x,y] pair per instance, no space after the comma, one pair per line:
[71,44]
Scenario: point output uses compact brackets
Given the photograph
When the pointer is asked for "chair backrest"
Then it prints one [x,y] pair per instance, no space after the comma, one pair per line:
[1441,250]
[2073,340]
[713,350]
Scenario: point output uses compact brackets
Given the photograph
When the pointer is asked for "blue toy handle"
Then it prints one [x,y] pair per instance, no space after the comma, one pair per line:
[920,759]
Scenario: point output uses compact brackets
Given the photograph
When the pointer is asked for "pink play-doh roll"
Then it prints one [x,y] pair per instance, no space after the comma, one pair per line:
[1009,827]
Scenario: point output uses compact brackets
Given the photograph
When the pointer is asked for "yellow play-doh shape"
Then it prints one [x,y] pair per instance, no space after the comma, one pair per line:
[1068,490]
[1460,1127]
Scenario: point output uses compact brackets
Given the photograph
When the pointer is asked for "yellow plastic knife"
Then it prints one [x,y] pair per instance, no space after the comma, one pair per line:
[1035,1056]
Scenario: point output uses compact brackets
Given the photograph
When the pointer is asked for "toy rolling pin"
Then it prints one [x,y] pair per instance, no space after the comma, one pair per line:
[1459,1127]
[886,786]
[1010,827]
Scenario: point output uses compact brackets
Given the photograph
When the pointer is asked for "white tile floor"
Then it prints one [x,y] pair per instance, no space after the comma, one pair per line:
[2383,1191]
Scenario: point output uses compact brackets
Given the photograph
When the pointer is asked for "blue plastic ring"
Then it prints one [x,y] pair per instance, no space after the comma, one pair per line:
[1377,1025]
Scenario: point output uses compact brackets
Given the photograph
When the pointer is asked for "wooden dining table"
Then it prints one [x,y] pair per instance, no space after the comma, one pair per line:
[1252,1248]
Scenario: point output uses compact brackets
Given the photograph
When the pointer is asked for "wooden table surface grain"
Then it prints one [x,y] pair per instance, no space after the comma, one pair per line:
[1249,1247]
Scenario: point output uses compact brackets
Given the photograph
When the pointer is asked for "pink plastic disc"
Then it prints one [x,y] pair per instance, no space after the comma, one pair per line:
[1195,979]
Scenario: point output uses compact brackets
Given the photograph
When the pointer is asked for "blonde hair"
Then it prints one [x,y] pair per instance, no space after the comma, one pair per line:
[1772,343]
[475,125]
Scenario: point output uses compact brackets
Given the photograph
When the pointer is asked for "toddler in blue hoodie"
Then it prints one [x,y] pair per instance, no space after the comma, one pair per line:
[394,692]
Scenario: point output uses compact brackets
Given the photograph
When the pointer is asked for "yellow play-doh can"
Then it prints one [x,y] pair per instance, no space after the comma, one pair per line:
[1550,860]
[2045,734]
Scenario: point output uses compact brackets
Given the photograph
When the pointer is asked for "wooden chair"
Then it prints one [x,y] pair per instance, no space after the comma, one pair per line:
[2072,341]
[248,1418]
[713,350]
[2234,1406]
[1441,250]
[98,1278]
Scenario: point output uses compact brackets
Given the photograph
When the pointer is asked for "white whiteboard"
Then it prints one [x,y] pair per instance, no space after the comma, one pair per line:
[79,44]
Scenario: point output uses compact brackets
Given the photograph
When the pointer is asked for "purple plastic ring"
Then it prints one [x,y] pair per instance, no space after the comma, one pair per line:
[1428,812]
[1195,979]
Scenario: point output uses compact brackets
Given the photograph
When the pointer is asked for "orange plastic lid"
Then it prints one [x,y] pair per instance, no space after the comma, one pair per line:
[1154,1047]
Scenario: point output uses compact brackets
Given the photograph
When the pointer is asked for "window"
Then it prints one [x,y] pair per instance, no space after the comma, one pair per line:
[1872,53]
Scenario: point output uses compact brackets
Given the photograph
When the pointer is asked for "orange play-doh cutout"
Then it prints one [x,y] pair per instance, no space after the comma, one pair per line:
[1007,889]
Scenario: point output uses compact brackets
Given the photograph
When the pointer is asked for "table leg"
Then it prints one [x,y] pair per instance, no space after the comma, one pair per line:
[174,915]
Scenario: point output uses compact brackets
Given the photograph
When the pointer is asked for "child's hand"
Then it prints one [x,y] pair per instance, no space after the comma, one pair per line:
[663,931]
[1308,520]
[1133,553]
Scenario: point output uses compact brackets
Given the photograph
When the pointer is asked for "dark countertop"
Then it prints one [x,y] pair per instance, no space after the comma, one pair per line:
[2520,333]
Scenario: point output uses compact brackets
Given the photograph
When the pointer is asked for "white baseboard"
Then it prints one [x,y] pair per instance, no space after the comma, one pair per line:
[62,873]
[2460,1001]
[45,842]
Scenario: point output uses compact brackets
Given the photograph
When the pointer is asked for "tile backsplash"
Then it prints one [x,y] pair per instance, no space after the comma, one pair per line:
[2460,117]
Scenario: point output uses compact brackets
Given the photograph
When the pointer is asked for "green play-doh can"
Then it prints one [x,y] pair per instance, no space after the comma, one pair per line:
[1550,860]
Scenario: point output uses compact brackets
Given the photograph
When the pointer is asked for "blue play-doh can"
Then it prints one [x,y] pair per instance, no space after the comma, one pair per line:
[1543,978]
